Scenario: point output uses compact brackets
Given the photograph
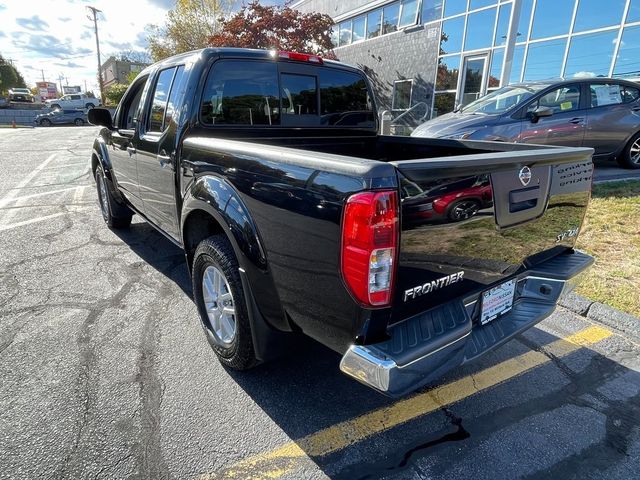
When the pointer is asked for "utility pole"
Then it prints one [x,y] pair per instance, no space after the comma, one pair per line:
[42,75]
[95,12]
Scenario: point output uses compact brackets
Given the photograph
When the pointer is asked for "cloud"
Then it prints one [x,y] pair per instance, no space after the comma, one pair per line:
[69,64]
[35,23]
[47,45]
[2,34]
[584,74]
[165,4]
[141,40]
[64,19]
[86,35]
[119,45]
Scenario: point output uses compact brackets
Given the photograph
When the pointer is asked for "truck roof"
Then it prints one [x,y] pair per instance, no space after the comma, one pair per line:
[231,52]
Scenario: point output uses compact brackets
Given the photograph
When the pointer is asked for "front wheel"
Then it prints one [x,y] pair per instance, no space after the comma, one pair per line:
[630,156]
[220,298]
[90,106]
[79,122]
[113,214]
[45,122]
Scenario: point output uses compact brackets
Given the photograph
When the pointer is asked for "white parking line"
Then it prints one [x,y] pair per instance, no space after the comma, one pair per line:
[5,202]
[30,221]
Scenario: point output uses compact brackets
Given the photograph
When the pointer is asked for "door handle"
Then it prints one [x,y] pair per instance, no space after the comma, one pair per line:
[576,120]
[131,150]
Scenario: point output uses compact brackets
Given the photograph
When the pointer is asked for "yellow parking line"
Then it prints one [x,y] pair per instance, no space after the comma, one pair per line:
[288,457]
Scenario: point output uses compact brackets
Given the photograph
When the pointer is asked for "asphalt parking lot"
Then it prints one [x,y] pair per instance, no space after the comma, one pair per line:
[105,373]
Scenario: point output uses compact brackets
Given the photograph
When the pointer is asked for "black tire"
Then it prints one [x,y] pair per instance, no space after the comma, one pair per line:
[216,251]
[462,209]
[630,156]
[90,106]
[113,214]
[45,122]
[78,122]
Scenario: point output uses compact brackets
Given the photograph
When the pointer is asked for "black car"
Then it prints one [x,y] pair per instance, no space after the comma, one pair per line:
[61,117]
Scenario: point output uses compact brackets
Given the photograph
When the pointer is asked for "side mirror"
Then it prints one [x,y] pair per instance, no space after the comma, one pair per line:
[100,116]
[540,112]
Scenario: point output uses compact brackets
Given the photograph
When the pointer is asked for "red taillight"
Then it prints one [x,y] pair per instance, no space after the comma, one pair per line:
[300,57]
[369,246]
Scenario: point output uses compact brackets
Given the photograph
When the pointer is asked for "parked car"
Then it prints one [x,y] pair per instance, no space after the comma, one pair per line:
[292,220]
[61,117]
[601,113]
[76,100]
[4,103]
[21,95]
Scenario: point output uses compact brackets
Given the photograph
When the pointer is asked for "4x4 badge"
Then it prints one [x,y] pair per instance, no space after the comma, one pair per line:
[525,176]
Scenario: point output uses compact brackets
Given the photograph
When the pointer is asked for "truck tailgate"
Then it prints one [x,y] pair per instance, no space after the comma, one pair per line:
[470,222]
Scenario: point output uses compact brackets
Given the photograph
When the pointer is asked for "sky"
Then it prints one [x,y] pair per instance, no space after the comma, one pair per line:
[56,38]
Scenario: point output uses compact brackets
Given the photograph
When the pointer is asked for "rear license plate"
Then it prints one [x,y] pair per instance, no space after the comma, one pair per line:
[497,301]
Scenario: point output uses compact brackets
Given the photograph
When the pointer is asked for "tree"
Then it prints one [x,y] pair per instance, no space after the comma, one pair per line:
[187,27]
[133,56]
[114,93]
[276,27]
[9,76]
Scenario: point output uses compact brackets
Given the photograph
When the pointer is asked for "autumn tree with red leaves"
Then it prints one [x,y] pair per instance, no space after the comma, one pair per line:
[279,28]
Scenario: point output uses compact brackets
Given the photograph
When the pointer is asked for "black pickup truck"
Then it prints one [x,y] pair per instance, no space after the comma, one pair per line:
[408,256]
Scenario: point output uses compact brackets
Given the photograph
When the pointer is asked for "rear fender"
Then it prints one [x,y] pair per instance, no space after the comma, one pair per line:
[217,197]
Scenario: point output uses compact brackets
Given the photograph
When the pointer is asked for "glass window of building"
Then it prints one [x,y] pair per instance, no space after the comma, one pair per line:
[408,12]
[516,65]
[390,15]
[544,59]
[552,18]
[524,21]
[402,94]
[502,28]
[590,55]
[452,31]
[431,10]
[448,69]
[358,31]
[594,14]
[374,20]
[345,33]
[473,4]
[495,72]
[334,35]
[480,29]
[634,11]
[454,7]
[628,59]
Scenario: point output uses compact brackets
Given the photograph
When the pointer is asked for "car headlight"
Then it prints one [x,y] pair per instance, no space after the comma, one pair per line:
[460,135]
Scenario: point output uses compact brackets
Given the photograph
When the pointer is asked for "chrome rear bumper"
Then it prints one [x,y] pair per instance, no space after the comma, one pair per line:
[415,355]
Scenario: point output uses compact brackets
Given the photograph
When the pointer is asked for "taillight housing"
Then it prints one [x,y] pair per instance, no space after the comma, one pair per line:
[370,246]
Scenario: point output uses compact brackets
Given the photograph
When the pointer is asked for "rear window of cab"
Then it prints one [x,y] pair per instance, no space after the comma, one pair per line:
[252,92]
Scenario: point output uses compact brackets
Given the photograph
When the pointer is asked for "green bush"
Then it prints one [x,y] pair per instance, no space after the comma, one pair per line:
[113,93]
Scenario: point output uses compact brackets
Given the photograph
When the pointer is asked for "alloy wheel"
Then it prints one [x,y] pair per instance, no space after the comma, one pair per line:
[219,305]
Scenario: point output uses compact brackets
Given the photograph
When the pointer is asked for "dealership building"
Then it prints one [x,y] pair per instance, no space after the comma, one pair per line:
[424,57]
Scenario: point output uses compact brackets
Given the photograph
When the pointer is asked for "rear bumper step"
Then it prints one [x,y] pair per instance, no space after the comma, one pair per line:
[424,347]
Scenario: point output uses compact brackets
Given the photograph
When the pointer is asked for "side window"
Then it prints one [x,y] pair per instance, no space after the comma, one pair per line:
[563,99]
[128,110]
[159,103]
[241,92]
[299,94]
[75,97]
[605,94]
[344,99]
[177,91]
[630,94]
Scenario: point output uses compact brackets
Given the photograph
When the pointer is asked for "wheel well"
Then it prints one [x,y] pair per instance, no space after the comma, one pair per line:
[198,226]
[94,164]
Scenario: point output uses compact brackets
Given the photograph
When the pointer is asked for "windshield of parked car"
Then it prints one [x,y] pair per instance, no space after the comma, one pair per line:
[21,90]
[503,99]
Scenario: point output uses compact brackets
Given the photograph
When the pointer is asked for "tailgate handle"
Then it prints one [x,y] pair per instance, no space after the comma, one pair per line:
[525,199]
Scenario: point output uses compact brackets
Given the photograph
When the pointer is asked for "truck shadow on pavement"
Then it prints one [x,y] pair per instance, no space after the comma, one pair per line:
[579,412]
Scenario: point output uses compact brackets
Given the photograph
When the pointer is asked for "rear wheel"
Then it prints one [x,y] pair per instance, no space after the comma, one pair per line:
[630,157]
[45,122]
[79,122]
[113,214]
[463,209]
[90,105]
[220,298]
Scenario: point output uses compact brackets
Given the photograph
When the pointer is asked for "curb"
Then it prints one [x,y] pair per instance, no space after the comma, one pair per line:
[601,313]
